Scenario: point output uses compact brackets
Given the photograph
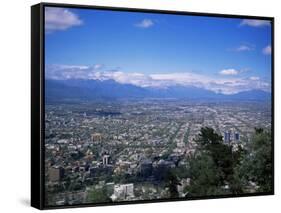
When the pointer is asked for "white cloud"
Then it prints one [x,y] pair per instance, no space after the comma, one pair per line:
[134,78]
[267,50]
[218,85]
[254,78]
[62,72]
[60,19]
[244,47]
[254,23]
[145,23]
[98,66]
[186,78]
[229,72]
[226,85]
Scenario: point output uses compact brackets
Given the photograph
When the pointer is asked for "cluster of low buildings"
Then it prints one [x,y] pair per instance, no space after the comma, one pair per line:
[138,142]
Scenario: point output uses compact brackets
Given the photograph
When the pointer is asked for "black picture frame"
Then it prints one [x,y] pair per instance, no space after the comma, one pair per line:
[38,101]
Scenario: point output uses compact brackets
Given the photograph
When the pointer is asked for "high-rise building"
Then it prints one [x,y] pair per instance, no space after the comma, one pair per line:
[227,137]
[236,136]
[105,159]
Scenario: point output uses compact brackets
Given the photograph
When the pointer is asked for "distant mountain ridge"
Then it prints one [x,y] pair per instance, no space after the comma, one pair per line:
[76,89]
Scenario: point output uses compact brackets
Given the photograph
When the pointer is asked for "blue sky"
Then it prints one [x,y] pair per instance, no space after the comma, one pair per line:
[158,45]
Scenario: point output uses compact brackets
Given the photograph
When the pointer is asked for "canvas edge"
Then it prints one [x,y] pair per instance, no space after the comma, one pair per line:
[37,103]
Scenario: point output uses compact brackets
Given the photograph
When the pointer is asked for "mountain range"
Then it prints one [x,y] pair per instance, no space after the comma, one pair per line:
[80,89]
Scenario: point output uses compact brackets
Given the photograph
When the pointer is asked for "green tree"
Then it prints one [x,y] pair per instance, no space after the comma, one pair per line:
[172,183]
[212,166]
[98,195]
[204,176]
[256,162]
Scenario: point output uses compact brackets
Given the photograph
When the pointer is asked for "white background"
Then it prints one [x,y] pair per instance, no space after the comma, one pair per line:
[15,105]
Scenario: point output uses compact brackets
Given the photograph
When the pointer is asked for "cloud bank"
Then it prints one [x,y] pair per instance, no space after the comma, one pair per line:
[227,84]
[57,19]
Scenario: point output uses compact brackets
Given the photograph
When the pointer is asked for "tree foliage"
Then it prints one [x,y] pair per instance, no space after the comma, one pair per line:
[98,195]
[172,184]
[217,168]
[212,166]
[256,164]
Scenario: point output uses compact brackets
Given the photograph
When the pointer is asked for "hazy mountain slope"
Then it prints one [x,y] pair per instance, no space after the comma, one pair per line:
[110,89]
